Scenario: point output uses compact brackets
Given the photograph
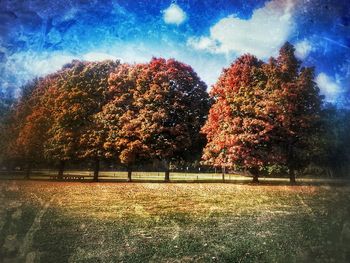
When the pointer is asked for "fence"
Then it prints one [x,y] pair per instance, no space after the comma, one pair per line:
[121,175]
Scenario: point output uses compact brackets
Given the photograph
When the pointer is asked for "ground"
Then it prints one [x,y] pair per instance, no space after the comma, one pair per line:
[45,221]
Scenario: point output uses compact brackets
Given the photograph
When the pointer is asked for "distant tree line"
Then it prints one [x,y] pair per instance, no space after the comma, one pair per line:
[260,117]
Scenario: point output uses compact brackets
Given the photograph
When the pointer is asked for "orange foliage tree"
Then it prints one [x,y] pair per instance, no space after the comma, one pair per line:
[17,147]
[123,141]
[156,112]
[79,96]
[32,133]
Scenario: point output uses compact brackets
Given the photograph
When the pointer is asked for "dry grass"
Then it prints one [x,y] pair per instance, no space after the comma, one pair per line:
[157,222]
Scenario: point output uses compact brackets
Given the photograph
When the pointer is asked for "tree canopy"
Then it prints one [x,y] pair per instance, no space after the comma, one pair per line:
[264,113]
[156,111]
[76,131]
[258,115]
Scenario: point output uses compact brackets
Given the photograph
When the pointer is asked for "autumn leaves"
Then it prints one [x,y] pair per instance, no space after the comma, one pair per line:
[156,112]
[264,114]
[106,110]
[261,114]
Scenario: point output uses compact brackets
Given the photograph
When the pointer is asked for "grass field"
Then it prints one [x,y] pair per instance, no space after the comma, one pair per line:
[43,221]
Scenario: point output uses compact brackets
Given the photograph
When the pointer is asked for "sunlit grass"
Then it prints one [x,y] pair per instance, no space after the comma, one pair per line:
[157,222]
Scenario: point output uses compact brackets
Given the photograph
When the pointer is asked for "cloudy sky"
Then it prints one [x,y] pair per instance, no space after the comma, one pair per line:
[39,36]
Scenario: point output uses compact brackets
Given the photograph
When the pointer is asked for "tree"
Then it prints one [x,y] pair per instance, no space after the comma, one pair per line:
[264,113]
[297,108]
[33,134]
[94,88]
[6,103]
[119,116]
[16,121]
[80,94]
[239,125]
[173,106]
[61,144]
[332,154]
[156,112]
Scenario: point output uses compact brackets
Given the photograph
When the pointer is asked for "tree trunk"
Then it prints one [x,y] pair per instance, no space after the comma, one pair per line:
[28,170]
[167,176]
[292,176]
[61,169]
[167,171]
[255,178]
[96,169]
[129,173]
[223,174]
[255,173]
[329,172]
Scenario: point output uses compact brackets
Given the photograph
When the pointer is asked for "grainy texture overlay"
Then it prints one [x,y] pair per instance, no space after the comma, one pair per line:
[157,222]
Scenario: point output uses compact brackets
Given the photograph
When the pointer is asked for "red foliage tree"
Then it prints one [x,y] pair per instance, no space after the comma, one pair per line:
[239,126]
[173,106]
[264,113]
[157,111]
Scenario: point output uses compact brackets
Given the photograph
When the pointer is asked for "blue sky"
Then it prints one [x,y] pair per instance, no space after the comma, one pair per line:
[38,37]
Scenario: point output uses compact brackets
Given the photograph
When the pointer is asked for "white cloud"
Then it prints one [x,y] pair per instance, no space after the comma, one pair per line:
[303,49]
[174,15]
[21,67]
[328,87]
[202,43]
[24,66]
[262,35]
[42,64]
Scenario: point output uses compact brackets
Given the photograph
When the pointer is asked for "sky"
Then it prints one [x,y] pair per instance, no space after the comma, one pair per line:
[38,37]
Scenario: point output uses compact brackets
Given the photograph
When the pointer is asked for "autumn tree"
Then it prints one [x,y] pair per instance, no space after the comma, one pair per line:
[264,114]
[28,123]
[22,108]
[119,117]
[92,133]
[173,106]
[32,134]
[239,126]
[61,143]
[297,102]
[157,111]
[6,102]
[76,132]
